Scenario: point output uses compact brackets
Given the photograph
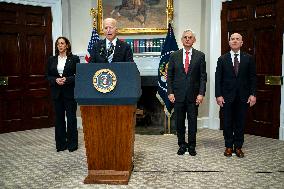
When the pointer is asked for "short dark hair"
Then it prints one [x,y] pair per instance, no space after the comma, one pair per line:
[68,50]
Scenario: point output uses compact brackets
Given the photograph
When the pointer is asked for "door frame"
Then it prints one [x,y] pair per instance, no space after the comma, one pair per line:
[215,52]
[56,12]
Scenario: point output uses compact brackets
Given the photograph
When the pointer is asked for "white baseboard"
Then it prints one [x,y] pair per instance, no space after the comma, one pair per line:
[202,122]
[281,133]
[79,123]
[206,122]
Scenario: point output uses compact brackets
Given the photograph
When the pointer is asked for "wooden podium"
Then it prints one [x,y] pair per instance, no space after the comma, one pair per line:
[108,121]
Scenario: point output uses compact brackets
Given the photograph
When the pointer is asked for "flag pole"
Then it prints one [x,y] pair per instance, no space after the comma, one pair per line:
[169,124]
[165,123]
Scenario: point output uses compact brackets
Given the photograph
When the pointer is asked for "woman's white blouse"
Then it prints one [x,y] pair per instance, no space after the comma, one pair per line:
[61,64]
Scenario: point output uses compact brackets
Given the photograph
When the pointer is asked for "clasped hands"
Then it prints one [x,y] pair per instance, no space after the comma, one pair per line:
[199,99]
[60,80]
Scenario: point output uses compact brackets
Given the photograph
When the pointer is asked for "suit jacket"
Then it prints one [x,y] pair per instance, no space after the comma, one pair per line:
[67,90]
[187,86]
[122,52]
[228,85]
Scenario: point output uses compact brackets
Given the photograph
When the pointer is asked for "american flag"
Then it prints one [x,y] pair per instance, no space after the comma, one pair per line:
[94,38]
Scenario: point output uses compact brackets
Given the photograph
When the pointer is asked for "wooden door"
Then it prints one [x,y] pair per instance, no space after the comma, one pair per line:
[260,22]
[25,41]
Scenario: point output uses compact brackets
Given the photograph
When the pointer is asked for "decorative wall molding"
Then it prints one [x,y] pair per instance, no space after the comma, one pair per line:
[147,65]
[79,123]
[215,52]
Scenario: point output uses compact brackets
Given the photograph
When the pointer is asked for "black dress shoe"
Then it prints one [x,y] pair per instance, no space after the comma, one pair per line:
[73,149]
[181,150]
[191,151]
[61,149]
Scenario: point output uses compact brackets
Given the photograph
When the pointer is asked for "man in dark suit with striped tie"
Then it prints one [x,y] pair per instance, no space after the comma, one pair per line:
[235,88]
[111,49]
[186,80]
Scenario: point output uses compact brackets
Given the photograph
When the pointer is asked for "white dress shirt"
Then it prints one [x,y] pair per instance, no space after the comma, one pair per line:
[184,55]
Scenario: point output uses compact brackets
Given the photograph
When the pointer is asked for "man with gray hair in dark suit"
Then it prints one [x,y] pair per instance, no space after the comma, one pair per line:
[186,82]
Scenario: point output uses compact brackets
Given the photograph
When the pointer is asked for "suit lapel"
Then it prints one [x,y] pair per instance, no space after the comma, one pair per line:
[242,62]
[116,52]
[103,47]
[55,63]
[180,59]
[103,43]
[229,62]
[192,60]
[102,51]
[228,59]
[67,64]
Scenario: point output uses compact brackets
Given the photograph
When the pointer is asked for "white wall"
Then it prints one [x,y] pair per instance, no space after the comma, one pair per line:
[195,15]
[187,15]
[80,25]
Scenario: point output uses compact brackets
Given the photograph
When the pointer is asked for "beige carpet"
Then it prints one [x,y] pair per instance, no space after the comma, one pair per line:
[28,159]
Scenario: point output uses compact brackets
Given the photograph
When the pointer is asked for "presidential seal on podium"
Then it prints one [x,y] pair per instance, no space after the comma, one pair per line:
[104,80]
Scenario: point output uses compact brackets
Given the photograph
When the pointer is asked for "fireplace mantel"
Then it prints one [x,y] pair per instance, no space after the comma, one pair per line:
[147,63]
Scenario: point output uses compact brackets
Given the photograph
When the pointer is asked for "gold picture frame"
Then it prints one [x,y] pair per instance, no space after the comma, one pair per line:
[144,17]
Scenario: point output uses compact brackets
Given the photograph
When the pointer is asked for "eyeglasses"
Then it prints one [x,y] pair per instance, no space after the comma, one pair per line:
[188,37]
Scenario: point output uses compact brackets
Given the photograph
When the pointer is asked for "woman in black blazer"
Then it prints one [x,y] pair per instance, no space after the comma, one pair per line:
[60,73]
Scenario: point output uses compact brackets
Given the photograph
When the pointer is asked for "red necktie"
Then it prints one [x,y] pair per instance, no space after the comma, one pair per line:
[186,65]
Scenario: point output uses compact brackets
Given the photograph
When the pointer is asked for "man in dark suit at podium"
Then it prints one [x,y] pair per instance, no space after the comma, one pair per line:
[111,49]
[186,89]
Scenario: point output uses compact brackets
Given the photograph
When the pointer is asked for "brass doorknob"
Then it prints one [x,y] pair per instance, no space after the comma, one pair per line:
[3,80]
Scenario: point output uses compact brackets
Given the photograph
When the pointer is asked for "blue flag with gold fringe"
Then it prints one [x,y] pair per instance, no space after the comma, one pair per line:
[169,46]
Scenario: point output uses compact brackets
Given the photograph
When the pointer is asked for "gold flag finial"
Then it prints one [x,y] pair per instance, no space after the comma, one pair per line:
[94,13]
[170,11]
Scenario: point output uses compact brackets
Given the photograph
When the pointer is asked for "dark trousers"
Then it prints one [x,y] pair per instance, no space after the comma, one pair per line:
[65,137]
[181,110]
[234,122]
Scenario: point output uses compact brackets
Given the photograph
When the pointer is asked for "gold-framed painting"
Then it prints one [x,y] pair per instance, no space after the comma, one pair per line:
[135,16]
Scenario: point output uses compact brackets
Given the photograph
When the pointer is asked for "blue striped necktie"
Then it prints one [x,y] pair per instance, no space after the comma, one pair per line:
[110,52]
